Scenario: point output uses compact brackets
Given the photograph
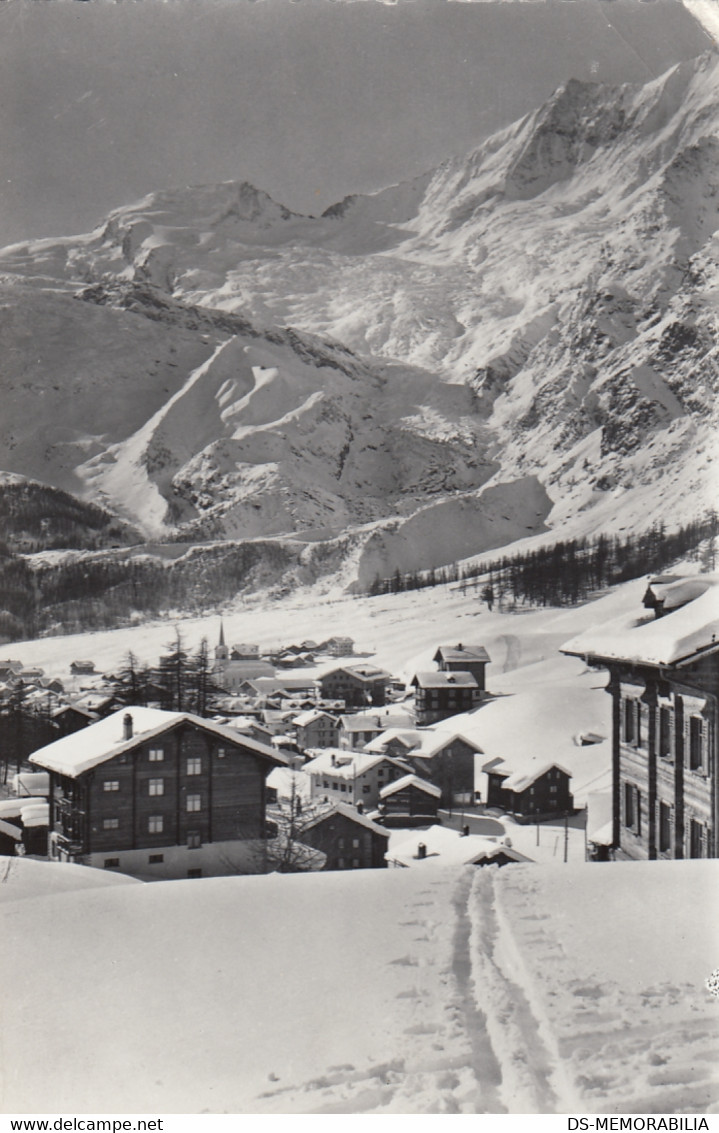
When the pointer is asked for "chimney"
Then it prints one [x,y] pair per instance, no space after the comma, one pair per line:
[422,850]
[465,830]
[127,726]
[360,807]
[460,646]
[334,759]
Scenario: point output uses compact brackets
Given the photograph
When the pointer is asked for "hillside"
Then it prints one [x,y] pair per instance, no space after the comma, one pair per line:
[523,337]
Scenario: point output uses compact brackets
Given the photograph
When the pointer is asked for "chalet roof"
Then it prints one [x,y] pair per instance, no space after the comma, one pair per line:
[371,721]
[74,754]
[348,764]
[366,673]
[347,812]
[524,777]
[407,737]
[449,847]
[688,629]
[311,717]
[444,680]
[462,652]
[411,781]
[77,708]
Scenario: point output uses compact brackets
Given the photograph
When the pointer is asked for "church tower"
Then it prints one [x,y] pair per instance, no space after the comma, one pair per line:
[221,653]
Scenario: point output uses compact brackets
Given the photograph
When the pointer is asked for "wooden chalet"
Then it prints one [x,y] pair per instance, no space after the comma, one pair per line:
[357,685]
[348,839]
[532,792]
[463,659]
[409,801]
[440,695]
[664,684]
[157,795]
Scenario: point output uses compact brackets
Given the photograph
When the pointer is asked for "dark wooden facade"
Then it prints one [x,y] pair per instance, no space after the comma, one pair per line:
[664,760]
[463,659]
[451,769]
[355,689]
[186,787]
[347,842]
[437,697]
[543,797]
[409,802]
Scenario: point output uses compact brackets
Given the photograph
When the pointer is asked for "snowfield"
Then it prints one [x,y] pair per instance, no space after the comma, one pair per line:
[518,990]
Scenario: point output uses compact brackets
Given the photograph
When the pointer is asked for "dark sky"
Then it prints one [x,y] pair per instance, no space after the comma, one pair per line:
[102,102]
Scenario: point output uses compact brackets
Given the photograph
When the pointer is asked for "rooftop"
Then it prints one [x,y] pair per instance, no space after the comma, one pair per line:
[688,629]
[346,812]
[411,781]
[74,754]
[444,680]
[462,652]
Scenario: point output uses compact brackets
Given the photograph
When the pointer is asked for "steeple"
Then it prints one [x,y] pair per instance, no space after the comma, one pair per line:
[221,648]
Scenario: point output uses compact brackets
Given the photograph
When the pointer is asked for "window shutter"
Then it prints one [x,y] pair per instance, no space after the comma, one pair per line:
[672,733]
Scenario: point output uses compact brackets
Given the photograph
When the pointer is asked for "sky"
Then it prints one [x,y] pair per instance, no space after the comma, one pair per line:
[102,102]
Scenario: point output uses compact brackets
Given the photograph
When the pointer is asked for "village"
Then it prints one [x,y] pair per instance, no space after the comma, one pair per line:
[311,757]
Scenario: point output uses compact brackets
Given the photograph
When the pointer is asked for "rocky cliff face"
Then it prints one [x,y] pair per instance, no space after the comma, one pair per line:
[539,312]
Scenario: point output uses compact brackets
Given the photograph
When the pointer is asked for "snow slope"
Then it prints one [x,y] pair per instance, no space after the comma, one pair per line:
[463,991]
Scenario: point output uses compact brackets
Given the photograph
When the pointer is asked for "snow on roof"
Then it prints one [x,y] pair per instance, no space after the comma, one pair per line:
[411,781]
[36,815]
[444,680]
[72,708]
[311,717]
[369,721]
[449,847]
[289,783]
[30,783]
[10,831]
[685,631]
[519,780]
[348,764]
[361,672]
[12,808]
[347,812]
[600,828]
[461,652]
[434,740]
[91,746]
[409,738]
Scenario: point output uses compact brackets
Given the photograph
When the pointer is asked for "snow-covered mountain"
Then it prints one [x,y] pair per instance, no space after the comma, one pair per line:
[521,339]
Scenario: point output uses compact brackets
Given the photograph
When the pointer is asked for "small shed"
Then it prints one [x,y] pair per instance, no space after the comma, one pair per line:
[535,790]
[409,801]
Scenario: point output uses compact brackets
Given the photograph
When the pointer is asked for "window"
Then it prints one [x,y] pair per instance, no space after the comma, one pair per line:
[194,873]
[194,803]
[355,843]
[366,789]
[355,863]
[343,787]
[341,843]
[111,824]
[665,827]
[194,765]
[156,754]
[221,752]
[155,859]
[553,789]
[111,863]
[156,787]
[155,824]
[194,839]
[326,784]
[629,721]
[696,831]
[695,743]
[665,733]
[111,785]
[340,863]
[632,808]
